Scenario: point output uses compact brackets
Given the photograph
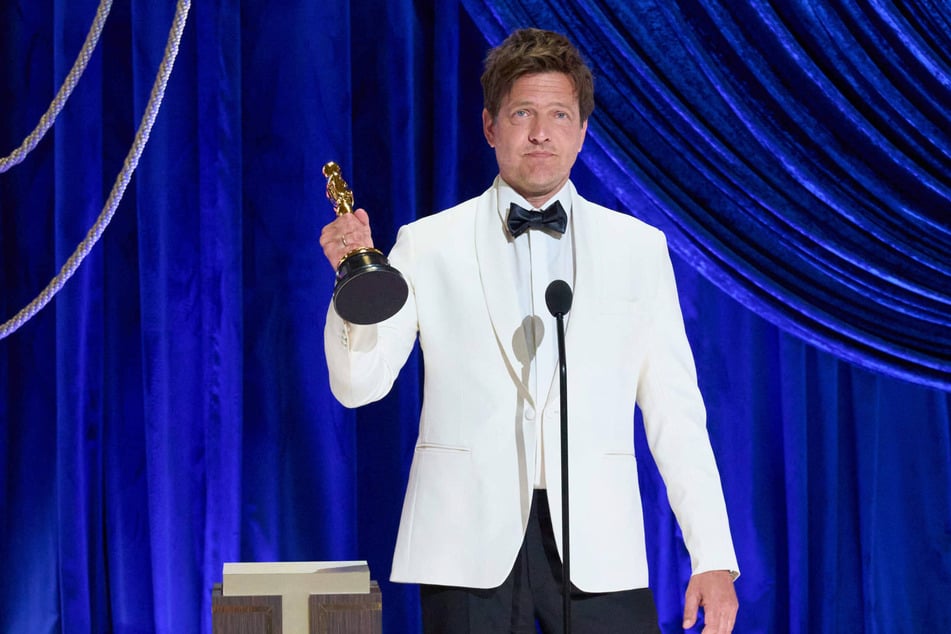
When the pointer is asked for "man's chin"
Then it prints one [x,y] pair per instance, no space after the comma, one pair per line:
[542,189]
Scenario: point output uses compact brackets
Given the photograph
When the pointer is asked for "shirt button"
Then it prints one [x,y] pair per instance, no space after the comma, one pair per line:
[529,413]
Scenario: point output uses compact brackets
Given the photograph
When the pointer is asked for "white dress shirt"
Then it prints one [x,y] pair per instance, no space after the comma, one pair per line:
[538,257]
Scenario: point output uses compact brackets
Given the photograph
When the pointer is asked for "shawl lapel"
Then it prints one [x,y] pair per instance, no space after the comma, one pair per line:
[501,300]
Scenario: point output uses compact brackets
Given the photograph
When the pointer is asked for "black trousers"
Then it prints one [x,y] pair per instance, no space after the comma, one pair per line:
[533,591]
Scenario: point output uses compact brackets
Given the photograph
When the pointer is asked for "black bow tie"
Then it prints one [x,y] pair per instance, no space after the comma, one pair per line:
[554,218]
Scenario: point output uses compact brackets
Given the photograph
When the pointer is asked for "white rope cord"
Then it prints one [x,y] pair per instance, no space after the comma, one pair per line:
[122,181]
[79,66]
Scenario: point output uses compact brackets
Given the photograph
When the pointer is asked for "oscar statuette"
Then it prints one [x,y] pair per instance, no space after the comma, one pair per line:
[368,290]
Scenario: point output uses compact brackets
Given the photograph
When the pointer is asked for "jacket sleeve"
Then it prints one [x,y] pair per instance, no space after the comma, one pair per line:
[675,425]
[364,361]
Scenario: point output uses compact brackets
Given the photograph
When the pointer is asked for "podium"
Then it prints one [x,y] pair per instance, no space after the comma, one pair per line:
[296,598]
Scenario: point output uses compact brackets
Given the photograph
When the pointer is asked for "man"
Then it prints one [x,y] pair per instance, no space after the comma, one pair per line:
[481,523]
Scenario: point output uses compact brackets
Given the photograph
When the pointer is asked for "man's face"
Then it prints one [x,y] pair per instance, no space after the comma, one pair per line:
[537,135]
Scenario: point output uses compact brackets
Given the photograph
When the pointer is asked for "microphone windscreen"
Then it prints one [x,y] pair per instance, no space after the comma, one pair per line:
[558,297]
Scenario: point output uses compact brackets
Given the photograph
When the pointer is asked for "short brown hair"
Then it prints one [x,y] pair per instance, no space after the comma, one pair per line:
[530,51]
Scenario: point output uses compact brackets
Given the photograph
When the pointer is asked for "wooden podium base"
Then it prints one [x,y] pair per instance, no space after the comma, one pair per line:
[339,613]
[329,613]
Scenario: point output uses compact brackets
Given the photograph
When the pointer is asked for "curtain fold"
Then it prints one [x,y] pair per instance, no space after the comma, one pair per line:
[169,411]
[794,152]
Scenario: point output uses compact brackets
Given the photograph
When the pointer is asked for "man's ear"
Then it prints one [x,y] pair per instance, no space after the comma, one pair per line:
[488,127]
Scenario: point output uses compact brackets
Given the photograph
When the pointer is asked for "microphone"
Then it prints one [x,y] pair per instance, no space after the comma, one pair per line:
[558,297]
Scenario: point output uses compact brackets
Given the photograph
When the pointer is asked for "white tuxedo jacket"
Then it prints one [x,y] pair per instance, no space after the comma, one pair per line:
[469,490]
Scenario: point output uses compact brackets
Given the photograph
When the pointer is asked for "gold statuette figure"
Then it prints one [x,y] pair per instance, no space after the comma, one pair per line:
[338,192]
[368,289]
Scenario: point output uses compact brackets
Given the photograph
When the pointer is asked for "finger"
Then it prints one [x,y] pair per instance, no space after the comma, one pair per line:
[718,620]
[712,624]
[344,226]
[361,215]
[691,604]
[348,223]
[362,228]
[355,229]
[330,236]
[722,627]
[334,239]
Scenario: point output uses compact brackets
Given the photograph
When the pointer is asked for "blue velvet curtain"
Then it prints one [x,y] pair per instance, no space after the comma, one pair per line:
[798,153]
[169,411]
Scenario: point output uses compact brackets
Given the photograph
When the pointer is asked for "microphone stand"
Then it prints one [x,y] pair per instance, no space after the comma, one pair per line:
[558,296]
[565,541]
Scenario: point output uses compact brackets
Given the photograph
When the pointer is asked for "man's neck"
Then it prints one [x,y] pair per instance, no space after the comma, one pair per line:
[536,202]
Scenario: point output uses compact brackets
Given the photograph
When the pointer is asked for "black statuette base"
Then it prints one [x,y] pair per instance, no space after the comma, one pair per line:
[368,289]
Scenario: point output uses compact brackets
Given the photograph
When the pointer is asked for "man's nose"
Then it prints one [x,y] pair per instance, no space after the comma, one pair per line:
[538,133]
